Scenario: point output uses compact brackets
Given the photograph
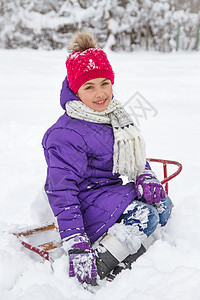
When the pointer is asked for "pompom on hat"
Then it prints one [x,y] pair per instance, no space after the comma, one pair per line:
[83,66]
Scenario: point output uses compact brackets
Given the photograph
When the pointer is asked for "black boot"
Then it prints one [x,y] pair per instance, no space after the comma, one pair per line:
[109,266]
[105,262]
[126,263]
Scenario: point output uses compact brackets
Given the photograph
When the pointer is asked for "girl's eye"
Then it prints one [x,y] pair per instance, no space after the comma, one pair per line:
[89,87]
[105,83]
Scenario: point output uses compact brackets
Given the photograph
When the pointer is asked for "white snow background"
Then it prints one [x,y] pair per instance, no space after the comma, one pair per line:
[30,83]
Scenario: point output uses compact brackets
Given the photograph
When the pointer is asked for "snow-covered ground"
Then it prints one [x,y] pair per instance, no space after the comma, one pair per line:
[168,86]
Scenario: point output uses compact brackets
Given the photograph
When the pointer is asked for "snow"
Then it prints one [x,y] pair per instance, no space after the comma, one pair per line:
[30,83]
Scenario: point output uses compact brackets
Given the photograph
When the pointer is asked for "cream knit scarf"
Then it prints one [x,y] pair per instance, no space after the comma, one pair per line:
[129,155]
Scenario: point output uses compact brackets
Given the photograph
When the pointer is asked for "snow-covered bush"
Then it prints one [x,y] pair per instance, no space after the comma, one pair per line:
[118,24]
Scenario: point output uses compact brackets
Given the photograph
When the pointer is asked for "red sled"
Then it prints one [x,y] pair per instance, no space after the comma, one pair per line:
[45,249]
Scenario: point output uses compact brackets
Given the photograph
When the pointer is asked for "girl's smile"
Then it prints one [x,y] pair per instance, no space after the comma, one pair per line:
[96,93]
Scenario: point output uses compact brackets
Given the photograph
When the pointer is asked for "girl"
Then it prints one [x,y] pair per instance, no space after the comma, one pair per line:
[86,151]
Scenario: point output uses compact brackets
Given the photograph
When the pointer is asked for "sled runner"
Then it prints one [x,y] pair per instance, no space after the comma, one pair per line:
[45,250]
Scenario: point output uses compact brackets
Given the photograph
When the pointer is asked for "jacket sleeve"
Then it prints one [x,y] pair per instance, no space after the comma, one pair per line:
[147,166]
[65,153]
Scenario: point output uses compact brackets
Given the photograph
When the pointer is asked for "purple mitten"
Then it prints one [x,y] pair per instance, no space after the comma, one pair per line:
[149,186]
[82,260]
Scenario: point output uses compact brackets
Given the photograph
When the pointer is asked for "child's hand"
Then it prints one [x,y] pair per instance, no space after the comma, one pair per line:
[148,186]
[82,260]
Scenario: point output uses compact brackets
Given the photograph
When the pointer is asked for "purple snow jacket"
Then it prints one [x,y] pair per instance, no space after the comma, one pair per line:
[83,193]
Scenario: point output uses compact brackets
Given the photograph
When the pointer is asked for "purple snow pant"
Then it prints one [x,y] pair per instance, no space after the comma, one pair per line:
[155,214]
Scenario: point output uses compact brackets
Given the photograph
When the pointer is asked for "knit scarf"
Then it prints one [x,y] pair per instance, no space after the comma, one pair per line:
[129,155]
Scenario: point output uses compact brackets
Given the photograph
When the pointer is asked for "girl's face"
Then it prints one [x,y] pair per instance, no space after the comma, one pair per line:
[96,93]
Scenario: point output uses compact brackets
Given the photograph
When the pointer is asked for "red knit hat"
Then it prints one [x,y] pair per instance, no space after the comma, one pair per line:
[89,64]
